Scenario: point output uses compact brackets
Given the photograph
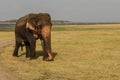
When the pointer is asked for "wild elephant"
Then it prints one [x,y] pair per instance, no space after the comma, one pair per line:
[31,27]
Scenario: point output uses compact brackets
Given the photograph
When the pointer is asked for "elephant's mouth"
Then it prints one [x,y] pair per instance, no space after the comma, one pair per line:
[35,36]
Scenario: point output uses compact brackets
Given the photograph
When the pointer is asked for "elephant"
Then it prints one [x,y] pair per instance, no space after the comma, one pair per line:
[30,28]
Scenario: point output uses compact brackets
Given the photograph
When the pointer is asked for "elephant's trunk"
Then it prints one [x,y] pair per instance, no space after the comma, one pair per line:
[46,34]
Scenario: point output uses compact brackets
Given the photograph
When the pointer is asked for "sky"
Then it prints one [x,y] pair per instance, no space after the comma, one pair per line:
[71,10]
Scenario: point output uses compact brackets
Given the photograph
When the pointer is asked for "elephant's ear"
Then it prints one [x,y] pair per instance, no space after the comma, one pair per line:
[29,26]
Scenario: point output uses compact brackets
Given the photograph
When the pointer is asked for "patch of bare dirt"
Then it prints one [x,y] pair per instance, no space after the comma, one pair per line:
[4,75]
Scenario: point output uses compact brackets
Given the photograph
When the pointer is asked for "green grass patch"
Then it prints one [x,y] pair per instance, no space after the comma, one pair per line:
[8,29]
[82,28]
[71,28]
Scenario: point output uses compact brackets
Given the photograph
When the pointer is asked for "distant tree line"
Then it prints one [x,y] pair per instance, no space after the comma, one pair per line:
[63,22]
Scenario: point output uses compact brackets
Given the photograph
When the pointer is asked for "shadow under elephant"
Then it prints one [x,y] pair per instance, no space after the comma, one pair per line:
[40,53]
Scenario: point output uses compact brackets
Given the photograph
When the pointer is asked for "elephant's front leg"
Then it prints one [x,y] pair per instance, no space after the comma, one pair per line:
[43,47]
[27,44]
[32,48]
[46,34]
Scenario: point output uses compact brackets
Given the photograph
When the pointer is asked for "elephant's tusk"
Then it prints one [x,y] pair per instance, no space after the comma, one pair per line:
[29,26]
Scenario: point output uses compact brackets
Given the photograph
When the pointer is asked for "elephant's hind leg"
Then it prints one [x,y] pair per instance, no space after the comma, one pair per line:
[17,45]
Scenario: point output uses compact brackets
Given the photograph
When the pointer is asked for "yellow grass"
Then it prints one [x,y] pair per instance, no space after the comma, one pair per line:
[6,35]
[92,52]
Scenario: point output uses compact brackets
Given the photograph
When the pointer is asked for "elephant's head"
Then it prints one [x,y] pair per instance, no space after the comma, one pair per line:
[38,21]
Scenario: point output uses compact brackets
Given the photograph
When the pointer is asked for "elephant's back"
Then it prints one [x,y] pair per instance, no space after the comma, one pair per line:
[23,20]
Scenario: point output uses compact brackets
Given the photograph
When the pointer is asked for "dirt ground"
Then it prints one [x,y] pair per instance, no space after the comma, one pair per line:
[4,75]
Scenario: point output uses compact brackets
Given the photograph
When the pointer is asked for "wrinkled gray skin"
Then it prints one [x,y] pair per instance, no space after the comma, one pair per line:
[30,25]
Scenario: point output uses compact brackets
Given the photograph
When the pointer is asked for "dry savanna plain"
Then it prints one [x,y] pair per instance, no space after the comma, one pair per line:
[82,52]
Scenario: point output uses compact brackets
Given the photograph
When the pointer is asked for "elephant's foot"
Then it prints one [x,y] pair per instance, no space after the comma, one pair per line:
[15,55]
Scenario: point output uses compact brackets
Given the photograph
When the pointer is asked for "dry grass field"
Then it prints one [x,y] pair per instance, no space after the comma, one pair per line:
[83,52]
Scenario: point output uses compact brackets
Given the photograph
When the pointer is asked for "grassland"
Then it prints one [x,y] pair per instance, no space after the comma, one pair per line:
[83,52]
